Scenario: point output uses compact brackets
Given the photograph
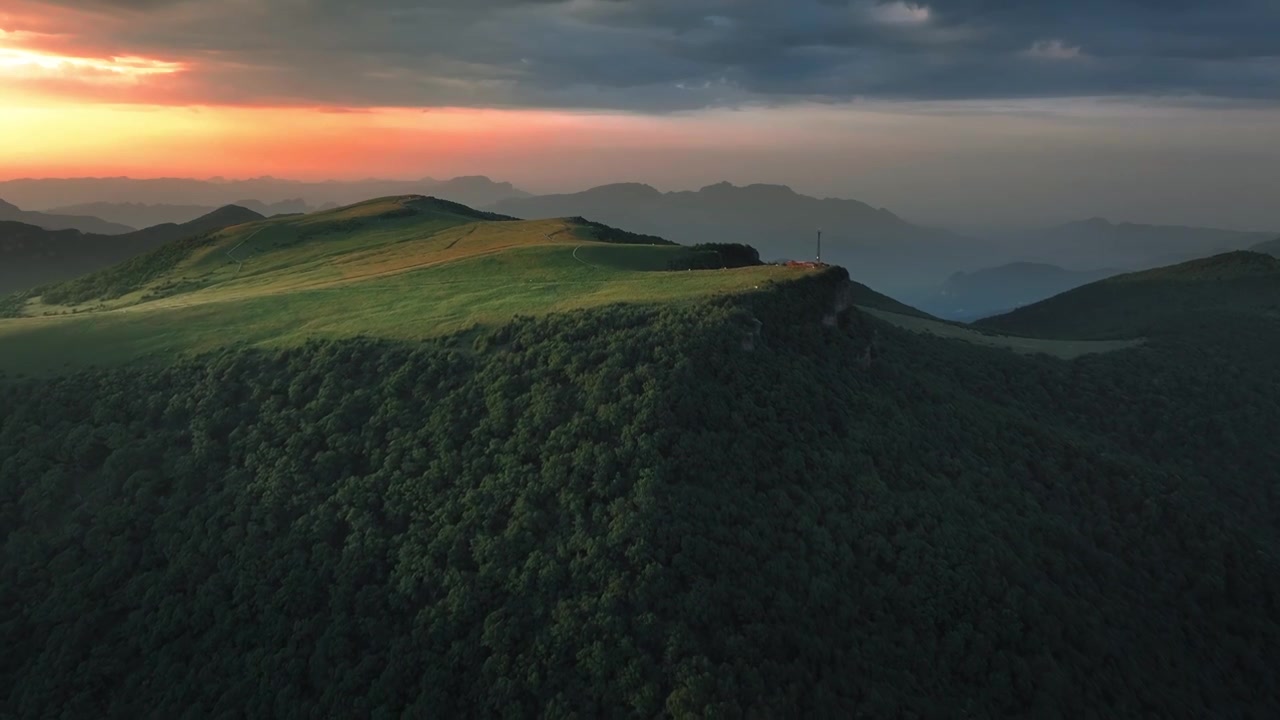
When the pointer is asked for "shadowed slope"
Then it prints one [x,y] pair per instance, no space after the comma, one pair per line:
[30,256]
[1238,287]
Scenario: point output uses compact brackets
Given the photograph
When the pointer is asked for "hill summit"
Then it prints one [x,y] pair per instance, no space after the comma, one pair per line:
[227,216]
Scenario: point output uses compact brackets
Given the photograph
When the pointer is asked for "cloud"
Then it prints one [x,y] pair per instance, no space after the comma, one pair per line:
[665,55]
[901,12]
[1053,50]
[25,63]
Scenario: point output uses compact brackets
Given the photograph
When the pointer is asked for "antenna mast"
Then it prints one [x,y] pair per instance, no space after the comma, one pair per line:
[819,244]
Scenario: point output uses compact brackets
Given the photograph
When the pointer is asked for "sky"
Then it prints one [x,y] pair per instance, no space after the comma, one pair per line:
[967,113]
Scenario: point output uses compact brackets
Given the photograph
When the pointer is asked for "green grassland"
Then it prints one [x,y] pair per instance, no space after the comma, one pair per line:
[400,268]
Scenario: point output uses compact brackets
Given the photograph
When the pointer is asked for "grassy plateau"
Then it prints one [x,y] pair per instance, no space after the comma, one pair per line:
[402,268]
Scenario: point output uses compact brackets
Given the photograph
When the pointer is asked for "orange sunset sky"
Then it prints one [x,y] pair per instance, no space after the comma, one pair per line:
[71,106]
[921,107]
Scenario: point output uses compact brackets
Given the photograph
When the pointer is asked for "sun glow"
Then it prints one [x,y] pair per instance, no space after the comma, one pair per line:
[43,135]
[18,62]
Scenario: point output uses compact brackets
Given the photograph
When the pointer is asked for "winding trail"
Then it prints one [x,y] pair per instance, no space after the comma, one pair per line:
[461,237]
[584,262]
[240,263]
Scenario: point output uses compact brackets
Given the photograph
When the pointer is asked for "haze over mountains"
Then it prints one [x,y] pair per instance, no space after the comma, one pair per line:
[969,296]
[63,192]
[951,275]
[84,222]
[142,215]
[916,264]
[876,246]
[1099,243]
[1056,259]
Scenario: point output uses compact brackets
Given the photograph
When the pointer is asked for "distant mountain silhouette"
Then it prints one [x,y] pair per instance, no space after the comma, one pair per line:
[1270,247]
[31,256]
[142,215]
[473,191]
[50,221]
[878,247]
[1099,243]
[982,293]
[1239,287]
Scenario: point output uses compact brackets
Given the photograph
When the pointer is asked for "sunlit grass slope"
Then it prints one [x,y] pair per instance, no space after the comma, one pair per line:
[402,268]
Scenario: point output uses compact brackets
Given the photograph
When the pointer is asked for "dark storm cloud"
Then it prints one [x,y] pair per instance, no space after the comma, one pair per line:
[669,54]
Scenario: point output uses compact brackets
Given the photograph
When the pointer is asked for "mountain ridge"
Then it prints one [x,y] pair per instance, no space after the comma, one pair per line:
[55,221]
[1235,289]
[1270,247]
[144,215]
[472,190]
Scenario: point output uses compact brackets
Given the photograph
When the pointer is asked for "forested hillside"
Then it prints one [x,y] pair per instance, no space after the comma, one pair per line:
[727,508]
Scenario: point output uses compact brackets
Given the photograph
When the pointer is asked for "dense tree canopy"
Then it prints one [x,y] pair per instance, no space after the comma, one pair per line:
[639,512]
